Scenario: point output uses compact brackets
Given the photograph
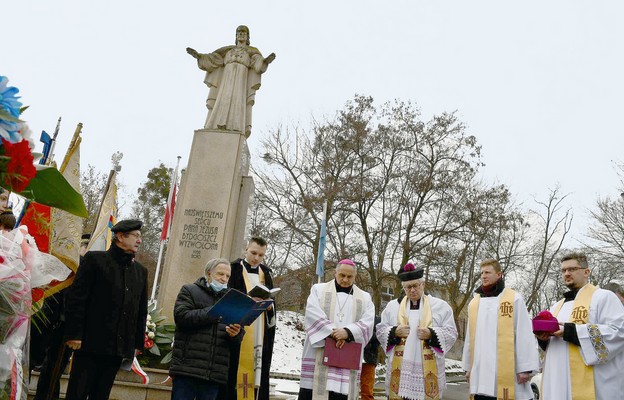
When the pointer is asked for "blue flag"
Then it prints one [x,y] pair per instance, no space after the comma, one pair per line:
[320,258]
[47,146]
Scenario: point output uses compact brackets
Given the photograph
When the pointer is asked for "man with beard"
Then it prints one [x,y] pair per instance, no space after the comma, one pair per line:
[585,358]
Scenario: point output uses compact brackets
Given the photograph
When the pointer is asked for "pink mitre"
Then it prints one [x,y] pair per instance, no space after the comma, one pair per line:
[346,261]
[545,322]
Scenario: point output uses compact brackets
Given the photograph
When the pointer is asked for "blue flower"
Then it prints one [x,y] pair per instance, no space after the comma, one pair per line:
[9,105]
[8,98]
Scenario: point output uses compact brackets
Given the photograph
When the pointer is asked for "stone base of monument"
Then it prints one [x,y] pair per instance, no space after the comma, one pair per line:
[128,386]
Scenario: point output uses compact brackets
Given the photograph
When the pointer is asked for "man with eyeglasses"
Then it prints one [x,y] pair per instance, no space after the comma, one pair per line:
[500,351]
[585,358]
[416,331]
[106,309]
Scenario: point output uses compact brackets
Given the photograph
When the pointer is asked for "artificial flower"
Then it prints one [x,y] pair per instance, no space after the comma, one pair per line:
[151,335]
[9,111]
[148,343]
[19,169]
[26,134]
[37,294]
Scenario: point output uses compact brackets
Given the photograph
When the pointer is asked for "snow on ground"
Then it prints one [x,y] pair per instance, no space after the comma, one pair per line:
[289,337]
[288,348]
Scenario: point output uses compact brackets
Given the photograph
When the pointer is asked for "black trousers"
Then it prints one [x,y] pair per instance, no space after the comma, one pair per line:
[92,376]
[54,363]
[483,397]
[306,394]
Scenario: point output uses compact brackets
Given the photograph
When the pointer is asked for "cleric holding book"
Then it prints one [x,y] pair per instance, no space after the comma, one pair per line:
[250,361]
[585,357]
[201,350]
[337,309]
[416,333]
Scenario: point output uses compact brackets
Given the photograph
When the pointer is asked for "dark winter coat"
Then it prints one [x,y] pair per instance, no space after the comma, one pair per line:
[201,347]
[372,347]
[106,306]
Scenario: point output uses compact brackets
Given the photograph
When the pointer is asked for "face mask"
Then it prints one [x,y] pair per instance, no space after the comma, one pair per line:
[218,286]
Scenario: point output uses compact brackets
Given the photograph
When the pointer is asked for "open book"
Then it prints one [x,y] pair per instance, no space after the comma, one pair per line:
[237,308]
[263,292]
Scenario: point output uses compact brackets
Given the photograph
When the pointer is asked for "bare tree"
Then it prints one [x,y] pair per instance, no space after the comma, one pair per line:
[608,228]
[494,227]
[606,237]
[394,186]
[92,184]
[553,221]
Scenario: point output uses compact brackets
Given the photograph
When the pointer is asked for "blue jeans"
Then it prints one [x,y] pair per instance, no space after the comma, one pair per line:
[185,388]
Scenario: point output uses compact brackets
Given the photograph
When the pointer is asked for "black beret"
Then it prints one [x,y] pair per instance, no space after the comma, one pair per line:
[409,272]
[127,225]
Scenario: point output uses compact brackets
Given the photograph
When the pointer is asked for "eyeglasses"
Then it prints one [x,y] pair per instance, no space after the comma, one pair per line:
[412,287]
[570,269]
[136,235]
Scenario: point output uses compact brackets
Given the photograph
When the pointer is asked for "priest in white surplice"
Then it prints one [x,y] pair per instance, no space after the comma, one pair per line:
[584,359]
[416,331]
[341,310]
[500,351]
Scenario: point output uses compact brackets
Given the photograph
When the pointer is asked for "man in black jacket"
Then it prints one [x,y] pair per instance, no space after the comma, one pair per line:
[201,349]
[105,313]
[254,359]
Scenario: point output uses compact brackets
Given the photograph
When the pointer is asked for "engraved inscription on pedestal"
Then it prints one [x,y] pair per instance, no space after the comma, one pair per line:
[201,229]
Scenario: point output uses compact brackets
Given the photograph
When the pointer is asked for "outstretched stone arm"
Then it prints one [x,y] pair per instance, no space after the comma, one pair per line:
[192,52]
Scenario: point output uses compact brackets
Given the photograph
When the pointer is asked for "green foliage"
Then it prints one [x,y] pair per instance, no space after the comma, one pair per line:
[150,207]
[162,339]
[49,187]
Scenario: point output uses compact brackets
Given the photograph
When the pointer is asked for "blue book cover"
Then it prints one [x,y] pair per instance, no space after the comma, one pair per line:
[236,307]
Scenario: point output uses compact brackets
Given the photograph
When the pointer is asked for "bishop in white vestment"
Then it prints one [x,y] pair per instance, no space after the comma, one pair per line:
[342,311]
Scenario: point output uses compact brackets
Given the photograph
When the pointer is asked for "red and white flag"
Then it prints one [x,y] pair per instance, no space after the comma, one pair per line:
[169,212]
[164,235]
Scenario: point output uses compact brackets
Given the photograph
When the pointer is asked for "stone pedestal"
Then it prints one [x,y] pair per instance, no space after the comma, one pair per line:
[210,212]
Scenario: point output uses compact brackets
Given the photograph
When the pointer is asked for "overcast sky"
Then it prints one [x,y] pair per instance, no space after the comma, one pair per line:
[539,83]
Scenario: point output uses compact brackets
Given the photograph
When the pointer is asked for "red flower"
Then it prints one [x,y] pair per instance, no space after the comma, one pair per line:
[20,169]
[148,343]
[37,294]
